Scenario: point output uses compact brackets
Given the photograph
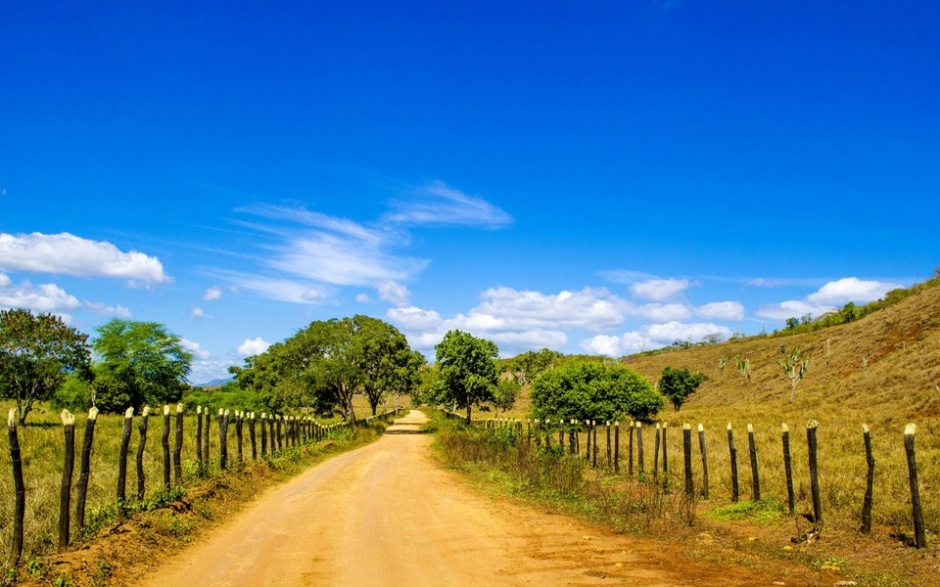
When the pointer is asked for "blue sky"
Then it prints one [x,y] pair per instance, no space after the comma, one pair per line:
[598,177]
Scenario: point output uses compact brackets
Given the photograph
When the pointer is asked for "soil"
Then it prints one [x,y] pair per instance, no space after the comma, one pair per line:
[388,514]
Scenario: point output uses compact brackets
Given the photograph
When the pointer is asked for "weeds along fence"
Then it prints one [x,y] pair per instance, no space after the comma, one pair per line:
[83,474]
[846,477]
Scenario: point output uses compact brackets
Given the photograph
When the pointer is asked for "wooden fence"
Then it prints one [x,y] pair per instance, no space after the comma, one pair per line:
[570,436]
[267,436]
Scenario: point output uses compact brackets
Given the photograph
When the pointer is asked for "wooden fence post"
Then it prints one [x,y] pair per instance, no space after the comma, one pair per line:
[616,447]
[656,450]
[251,436]
[630,449]
[755,475]
[84,468]
[142,429]
[223,440]
[687,458]
[870,482]
[735,487]
[122,458]
[239,438]
[165,442]
[19,503]
[812,447]
[920,535]
[788,466]
[178,448]
[65,492]
[205,437]
[280,438]
[572,439]
[609,461]
[200,458]
[594,451]
[701,446]
[665,451]
[640,457]
[264,435]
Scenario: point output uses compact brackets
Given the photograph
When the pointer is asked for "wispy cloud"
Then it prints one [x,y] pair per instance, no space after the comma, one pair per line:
[213,293]
[658,290]
[438,203]
[67,254]
[306,251]
[102,309]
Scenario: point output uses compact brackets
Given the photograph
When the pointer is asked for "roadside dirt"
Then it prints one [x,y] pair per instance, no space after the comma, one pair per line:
[387,514]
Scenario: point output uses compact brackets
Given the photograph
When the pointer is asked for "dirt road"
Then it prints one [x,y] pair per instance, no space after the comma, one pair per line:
[386,514]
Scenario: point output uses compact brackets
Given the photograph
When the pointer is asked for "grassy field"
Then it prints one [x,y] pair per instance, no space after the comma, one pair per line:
[43,448]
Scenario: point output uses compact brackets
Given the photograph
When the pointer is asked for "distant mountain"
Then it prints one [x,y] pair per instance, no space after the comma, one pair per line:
[213,383]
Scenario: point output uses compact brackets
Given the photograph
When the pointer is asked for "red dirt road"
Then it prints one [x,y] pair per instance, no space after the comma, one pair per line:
[387,514]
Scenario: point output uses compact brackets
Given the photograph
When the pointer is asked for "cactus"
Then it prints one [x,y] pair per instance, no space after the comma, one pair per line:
[795,366]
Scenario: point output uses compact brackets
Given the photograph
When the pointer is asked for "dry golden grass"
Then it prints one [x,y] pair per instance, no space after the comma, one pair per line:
[883,370]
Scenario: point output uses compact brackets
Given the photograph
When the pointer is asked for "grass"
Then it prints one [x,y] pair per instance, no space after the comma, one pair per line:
[42,446]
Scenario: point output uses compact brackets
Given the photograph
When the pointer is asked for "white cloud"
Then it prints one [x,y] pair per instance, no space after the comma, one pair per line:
[416,319]
[589,308]
[205,370]
[363,298]
[102,309]
[213,293]
[437,203]
[829,297]
[253,346]
[40,298]
[67,254]
[394,293]
[658,290]
[198,313]
[5,280]
[195,348]
[850,289]
[673,331]
[721,311]
[663,312]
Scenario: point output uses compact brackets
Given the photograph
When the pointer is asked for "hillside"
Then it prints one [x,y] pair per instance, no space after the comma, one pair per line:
[884,367]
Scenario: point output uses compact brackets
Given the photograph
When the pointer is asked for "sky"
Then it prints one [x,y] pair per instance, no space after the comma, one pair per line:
[599,177]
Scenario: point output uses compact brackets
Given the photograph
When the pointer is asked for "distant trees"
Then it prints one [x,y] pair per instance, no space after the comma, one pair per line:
[324,365]
[37,353]
[527,366]
[139,363]
[466,370]
[678,384]
[592,391]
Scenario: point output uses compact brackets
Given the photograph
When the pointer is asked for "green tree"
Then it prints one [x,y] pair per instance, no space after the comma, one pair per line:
[139,363]
[37,352]
[505,394]
[591,391]
[387,362]
[466,369]
[530,364]
[678,384]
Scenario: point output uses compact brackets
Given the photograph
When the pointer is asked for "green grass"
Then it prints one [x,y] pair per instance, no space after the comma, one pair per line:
[758,512]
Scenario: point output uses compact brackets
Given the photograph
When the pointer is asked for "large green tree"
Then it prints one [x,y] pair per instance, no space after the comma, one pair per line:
[325,364]
[528,365]
[37,352]
[593,391]
[678,384]
[466,369]
[387,362]
[138,364]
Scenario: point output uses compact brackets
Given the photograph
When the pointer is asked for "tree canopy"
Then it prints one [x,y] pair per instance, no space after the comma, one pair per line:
[593,391]
[37,352]
[678,384]
[139,363]
[325,364]
[466,370]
